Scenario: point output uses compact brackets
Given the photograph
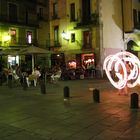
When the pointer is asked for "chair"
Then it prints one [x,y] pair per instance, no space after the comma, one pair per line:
[16,79]
[55,77]
[31,78]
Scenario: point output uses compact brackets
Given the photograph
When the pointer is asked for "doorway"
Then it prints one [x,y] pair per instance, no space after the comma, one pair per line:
[87,40]
[58,60]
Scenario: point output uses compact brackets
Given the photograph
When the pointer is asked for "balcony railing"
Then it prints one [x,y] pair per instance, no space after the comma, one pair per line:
[44,17]
[18,42]
[51,44]
[87,46]
[92,21]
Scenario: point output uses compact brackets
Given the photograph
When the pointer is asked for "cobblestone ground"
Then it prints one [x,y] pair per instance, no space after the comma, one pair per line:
[30,115]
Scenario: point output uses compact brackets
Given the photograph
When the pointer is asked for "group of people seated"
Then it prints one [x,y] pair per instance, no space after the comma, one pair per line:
[17,75]
[53,74]
[32,78]
[71,74]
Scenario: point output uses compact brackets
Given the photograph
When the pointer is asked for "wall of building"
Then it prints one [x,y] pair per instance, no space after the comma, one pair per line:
[135,35]
[111,20]
[43,33]
[71,49]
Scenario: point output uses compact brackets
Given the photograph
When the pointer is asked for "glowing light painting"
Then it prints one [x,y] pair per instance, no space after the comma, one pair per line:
[122,69]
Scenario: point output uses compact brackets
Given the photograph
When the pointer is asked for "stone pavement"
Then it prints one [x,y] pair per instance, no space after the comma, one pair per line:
[30,115]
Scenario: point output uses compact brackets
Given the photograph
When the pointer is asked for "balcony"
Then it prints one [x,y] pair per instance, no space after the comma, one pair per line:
[54,17]
[18,42]
[88,22]
[87,46]
[53,45]
[44,17]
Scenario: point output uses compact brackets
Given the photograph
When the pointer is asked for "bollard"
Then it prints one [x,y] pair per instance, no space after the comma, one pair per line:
[134,100]
[96,96]
[42,86]
[24,84]
[66,92]
[10,81]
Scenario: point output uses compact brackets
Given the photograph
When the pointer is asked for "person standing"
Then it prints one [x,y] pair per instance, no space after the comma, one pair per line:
[121,71]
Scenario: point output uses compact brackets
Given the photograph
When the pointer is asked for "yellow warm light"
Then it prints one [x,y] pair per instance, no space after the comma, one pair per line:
[63,34]
[6,38]
[136,48]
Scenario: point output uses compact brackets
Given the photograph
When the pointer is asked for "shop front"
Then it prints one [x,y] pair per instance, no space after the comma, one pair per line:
[83,64]
[13,60]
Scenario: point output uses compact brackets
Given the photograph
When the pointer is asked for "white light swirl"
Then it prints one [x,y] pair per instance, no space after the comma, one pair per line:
[129,77]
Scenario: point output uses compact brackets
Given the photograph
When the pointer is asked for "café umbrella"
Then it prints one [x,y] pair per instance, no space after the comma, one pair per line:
[9,52]
[33,50]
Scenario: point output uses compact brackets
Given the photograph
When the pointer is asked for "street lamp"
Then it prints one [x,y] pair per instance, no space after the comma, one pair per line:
[65,36]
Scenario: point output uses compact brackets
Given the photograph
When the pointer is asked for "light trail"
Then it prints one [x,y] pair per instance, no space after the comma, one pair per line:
[122,69]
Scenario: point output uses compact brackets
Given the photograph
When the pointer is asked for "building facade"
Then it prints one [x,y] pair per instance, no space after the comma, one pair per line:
[89,30]
[43,31]
[18,23]
[23,23]
[78,32]
[120,26]
[73,32]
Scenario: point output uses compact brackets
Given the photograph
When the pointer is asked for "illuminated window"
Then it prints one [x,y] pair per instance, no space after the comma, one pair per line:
[29,37]
[56,35]
[12,33]
[87,40]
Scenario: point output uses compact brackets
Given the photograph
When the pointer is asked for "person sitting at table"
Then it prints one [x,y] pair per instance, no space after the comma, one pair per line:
[56,75]
[33,77]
